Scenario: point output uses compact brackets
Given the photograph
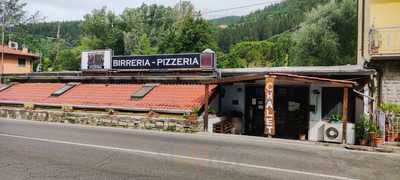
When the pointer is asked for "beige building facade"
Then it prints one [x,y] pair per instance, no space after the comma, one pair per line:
[16,61]
[379,46]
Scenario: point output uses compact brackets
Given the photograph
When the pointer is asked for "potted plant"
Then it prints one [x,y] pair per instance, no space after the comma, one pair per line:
[212,110]
[391,126]
[379,139]
[302,136]
[29,106]
[375,134]
[391,136]
[192,117]
[335,118]
[67,108]
[361,128]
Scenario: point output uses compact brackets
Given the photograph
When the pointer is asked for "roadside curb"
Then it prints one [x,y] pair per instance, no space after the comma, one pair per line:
[387,149]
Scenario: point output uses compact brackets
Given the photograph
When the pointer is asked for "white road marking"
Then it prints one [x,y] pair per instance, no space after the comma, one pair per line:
[179,157]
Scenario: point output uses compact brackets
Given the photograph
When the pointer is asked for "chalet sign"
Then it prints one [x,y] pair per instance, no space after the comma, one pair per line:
[167,61]
[269,113]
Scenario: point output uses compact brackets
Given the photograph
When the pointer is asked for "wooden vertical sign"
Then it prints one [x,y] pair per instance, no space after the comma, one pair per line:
[345,113]
[206,96]
[269,113]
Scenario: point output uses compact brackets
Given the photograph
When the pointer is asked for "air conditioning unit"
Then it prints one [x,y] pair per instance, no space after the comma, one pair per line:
[13,45]
[333,132]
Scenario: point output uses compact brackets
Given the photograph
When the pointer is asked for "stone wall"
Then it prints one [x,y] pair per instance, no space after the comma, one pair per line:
[102,119]
[391,81]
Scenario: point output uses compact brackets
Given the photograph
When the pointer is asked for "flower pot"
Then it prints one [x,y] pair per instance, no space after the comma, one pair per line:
[372,136]
[378,141]
[391,137]
[375,50]
[363,142]
[192,118]
[302,137]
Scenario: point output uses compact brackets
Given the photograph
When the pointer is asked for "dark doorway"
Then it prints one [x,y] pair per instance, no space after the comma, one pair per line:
[254,124]
[291,111]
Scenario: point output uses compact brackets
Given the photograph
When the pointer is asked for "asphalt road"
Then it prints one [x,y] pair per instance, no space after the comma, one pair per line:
[37,150]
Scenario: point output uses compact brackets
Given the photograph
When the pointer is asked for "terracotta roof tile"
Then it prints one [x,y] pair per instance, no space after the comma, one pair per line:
[164,97]
[29,92]
[8,50]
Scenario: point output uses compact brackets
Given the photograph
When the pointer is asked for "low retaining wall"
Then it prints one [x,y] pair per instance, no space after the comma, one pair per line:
[99,119]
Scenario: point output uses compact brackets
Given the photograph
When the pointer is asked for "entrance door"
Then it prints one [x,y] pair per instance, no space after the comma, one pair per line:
[254,110]
[291,111]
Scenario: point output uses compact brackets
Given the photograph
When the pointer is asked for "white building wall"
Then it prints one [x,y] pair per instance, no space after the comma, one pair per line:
[234,93]
[316,125]
[315,132]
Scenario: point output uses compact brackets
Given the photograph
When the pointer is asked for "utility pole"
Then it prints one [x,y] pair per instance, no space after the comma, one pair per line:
[57,44]
[180,14]
[3,29]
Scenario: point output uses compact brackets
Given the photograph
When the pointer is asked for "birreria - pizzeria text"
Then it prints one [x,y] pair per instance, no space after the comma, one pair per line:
[159,62]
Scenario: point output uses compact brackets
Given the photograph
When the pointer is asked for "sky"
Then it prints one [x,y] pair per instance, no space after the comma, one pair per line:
[64,10]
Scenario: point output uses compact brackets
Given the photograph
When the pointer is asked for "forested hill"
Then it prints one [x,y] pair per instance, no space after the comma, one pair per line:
[271,20]
[69,30]
[228,20]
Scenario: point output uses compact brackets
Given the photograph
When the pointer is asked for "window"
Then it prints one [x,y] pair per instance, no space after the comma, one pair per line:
[21,62]
[64,89]
[141,93]
[332,102]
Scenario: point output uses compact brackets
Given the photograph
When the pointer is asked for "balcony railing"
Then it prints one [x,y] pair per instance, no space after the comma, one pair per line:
[385,41]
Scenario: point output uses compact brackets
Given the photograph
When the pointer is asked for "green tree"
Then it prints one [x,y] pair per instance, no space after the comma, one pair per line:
[101,29]
[14,17]
[316,44]
[144,46]
[248,54]
[12,12]
[283,44]
[190,35]
[151,20]
[328,36]
[70,59]
[194,35]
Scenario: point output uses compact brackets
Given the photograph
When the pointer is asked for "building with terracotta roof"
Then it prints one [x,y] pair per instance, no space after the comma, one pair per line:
[283,102]
[16,61]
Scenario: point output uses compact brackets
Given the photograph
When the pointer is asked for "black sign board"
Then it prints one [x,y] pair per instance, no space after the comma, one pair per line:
[169,61]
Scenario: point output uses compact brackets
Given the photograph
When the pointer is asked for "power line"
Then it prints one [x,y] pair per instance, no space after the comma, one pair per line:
[241,7]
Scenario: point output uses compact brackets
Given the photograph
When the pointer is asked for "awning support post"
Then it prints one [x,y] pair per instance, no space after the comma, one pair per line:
[206,97]
[269,112]
[345,113]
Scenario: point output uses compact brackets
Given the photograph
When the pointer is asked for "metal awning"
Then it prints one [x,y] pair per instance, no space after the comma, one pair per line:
[287,78]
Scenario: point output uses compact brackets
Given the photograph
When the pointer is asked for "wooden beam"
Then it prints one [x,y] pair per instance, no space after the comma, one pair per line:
[206,98]
[345,113]
[314,80]
[241,78]
[287,77]
[269,112]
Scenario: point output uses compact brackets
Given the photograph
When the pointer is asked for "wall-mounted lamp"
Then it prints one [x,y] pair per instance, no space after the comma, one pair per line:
[316,91]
